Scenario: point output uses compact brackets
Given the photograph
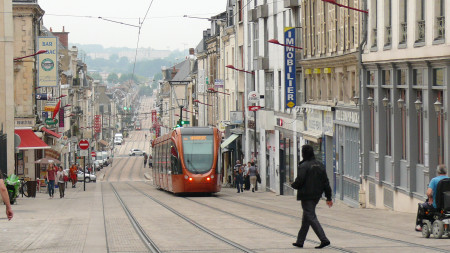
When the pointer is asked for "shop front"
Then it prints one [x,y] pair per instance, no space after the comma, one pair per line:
[30,149]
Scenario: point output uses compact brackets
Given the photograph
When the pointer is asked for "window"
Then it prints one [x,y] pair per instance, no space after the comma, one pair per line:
[268,96]
[440,129]
[275,27]
[387,95]
[240,10]
[386,77]
[403,16]
[280,94]
[387,22]
[420,154]
[438,77]
[255,40]
[418,77]
[420,21]
[401,77]
[374,21]
[372,121]
[403,124]
[439,11]
[371,75]
[198,153]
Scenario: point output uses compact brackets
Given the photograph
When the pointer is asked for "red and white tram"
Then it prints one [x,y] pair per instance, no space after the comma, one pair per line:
[188,160]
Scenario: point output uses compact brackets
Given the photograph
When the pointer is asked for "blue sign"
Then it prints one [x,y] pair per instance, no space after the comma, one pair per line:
[44,115]
[289,56]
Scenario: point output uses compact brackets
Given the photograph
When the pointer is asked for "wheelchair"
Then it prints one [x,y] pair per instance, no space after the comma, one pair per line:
[436,221]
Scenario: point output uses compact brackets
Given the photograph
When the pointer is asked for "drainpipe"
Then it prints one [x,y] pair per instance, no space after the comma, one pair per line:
[362,192]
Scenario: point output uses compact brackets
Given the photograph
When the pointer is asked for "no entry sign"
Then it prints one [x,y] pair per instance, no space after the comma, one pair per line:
[83,144]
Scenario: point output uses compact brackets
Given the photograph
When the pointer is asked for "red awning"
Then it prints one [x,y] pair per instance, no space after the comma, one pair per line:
[29,140]
[51,132]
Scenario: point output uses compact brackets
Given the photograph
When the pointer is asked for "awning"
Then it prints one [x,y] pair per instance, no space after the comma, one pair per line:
[312,135]
[103,142]
[29,140]
[229,140]
[51,132]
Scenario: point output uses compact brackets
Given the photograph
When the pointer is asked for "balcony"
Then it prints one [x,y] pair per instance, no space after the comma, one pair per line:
[420,31]
[387,36]
[440,25]
[403,32]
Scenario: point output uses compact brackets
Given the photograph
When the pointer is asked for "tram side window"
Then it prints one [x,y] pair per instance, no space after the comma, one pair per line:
[175,161]
[165,158]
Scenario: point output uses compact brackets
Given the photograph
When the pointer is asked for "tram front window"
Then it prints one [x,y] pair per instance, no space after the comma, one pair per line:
[198,153]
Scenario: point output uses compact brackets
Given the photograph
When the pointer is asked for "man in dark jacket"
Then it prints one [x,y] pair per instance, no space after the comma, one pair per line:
[311,183]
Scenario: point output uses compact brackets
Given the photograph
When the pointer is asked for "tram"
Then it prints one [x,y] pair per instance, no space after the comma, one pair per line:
[188,160]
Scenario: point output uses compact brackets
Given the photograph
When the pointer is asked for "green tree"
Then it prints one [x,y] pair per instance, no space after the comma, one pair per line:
[113,78]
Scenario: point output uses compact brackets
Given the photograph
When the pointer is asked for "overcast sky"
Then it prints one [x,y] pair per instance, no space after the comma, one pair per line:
[164,28]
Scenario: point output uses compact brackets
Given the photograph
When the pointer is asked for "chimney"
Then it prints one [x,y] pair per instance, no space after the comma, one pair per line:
[63,37]
[191,51]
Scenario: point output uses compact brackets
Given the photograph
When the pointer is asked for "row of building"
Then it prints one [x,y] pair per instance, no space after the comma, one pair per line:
[365,82]
[48,101]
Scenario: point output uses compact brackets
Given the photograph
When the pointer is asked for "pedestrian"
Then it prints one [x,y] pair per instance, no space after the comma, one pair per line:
[239,176]
[66,179]
[150,161]
[145,159]
[235,169]
[311,183]
[5,198]
[431,193]
[61,184]
[73,175]
[51,176]
[252,172]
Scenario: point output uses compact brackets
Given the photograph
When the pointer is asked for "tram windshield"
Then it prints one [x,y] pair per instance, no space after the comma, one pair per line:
[198,152]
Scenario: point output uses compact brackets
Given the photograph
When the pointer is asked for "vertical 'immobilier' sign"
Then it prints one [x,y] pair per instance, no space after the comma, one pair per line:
[289,56]
[48,62]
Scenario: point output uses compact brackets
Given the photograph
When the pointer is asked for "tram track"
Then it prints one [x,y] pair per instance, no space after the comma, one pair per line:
[151,246]
[193,223]
[322,223]
[113,168]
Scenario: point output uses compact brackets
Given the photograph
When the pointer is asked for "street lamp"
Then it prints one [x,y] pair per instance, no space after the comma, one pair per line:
[274,41]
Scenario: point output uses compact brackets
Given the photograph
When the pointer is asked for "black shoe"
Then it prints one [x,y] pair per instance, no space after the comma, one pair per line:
[297,245]
[323,245]
[253,189]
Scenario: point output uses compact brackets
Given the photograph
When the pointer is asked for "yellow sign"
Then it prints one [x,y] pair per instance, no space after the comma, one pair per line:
[198,138]
[316,71]
[308,71]
[49,108]
[327,70]
[48,62]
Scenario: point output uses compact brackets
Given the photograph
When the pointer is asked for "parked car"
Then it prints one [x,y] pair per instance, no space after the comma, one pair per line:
[136,151]
[80,175]
[118,141]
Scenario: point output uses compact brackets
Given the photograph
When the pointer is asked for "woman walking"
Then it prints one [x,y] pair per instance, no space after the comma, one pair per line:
[61,183]
[51,175]
[252,172]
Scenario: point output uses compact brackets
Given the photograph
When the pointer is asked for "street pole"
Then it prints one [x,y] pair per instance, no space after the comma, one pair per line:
[181,114]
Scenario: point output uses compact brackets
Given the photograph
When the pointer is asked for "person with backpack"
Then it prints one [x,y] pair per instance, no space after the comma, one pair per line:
[239,176]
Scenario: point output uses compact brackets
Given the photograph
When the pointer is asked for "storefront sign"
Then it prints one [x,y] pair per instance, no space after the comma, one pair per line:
[49,108]
[24,122]
[347,116]
[290,75]
[218,83]
[253,97]
[50,121]
[61,117]
[308,71]
[314,120]
[328,128]
[48,62]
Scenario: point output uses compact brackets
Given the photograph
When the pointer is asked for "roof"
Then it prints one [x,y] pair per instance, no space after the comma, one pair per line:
[29,140]
[183,71]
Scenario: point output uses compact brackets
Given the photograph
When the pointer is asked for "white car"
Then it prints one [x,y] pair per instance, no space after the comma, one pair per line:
[136,151]
[118,141]
[80,175]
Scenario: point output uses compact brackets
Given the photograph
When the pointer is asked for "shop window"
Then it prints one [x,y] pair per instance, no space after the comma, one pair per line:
[438,77]
[440,127]
[401,76]
[386,77]
[372,121]
[418,77]
[420,114]
[387,107]
[401,102]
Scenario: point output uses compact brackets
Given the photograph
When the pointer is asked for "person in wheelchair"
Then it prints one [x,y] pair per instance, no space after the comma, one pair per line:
[426,210]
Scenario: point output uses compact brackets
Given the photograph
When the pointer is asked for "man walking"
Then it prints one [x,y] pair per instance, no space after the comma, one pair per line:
[311,183]
[238,176]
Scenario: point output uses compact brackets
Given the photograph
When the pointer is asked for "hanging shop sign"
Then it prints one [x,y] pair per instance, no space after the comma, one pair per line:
[50,121]
[43,96]
[49,108]
[290,82]
[61,117]
[48,62]
[98,123]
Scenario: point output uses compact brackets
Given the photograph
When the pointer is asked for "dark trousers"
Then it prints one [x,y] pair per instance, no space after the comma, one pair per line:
[62,187]
[310,219]
[239,183]
[422,213]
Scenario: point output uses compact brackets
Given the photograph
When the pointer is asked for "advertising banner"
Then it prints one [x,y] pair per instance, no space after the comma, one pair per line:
[98,123]
[154,119]
[48,62]
[43,96]
[289,56]
[61,117]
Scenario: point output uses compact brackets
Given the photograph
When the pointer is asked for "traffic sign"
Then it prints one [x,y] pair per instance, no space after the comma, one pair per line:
[83,144]
[253,97]
[93,154]
[84,152]
[254,108]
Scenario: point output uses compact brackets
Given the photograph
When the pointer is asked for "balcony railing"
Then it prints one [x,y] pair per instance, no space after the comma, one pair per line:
[374,37]
[421,31]
[403,32]
[440,24]
[388,36]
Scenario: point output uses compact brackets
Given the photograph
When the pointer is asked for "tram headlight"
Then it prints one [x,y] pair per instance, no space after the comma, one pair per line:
[208,179]
[190,179]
